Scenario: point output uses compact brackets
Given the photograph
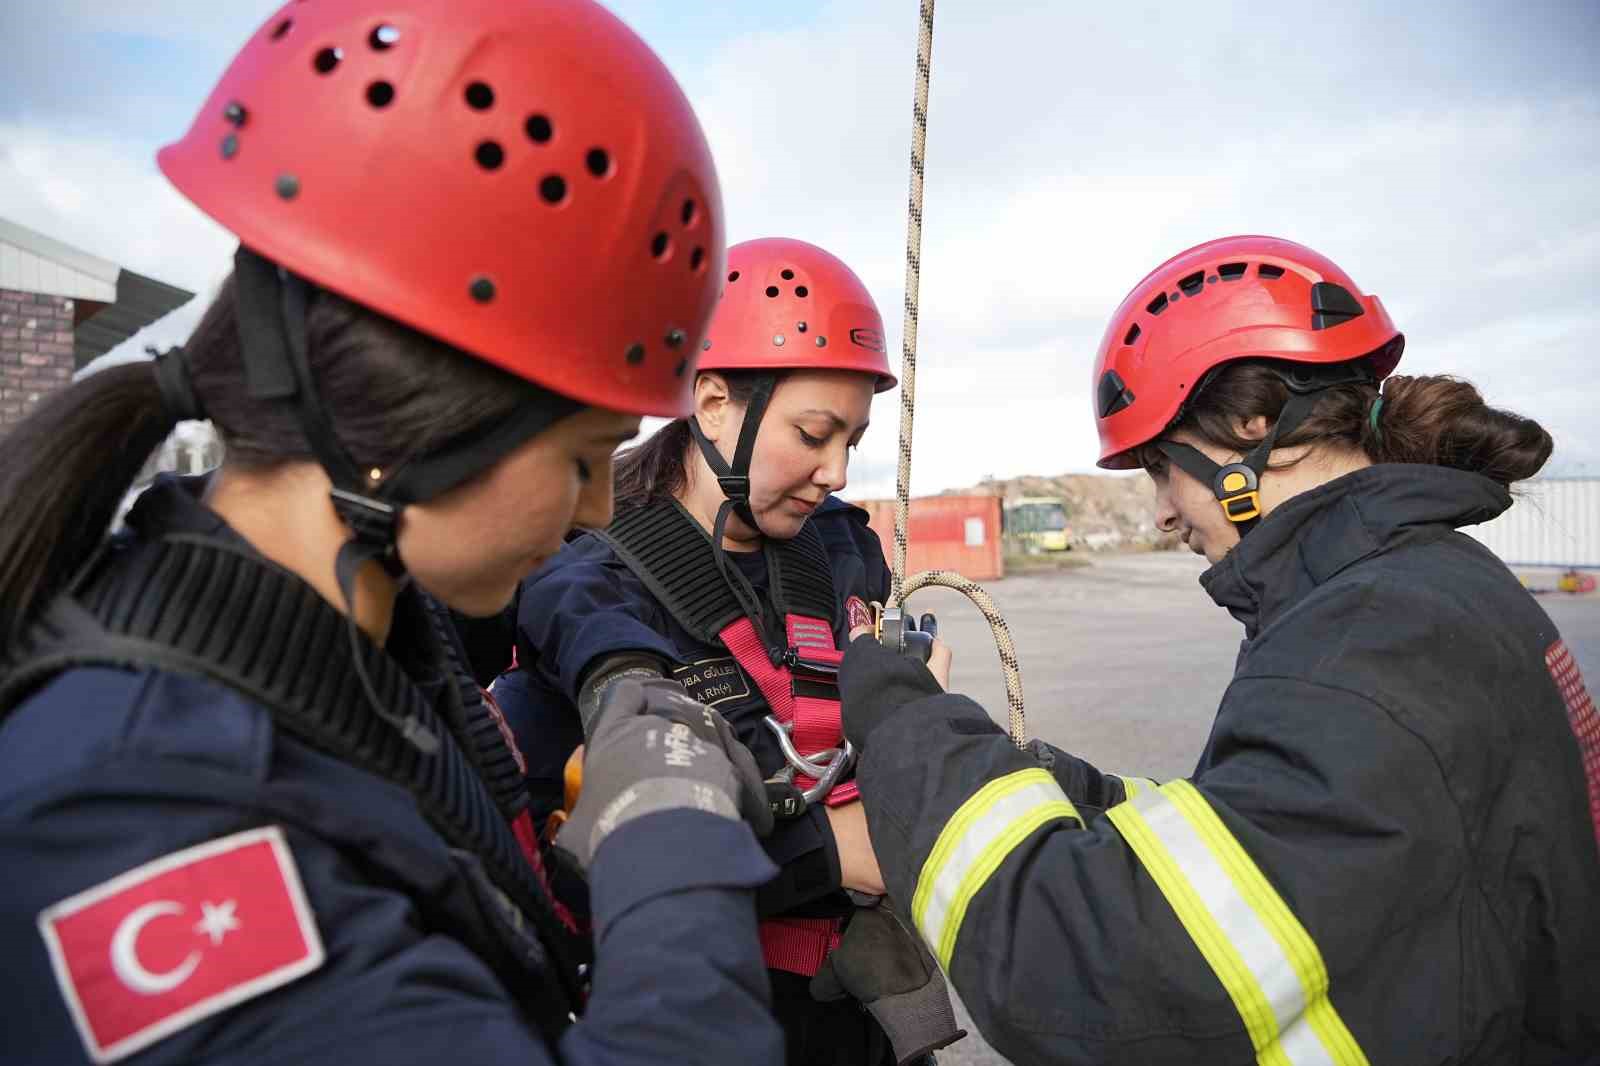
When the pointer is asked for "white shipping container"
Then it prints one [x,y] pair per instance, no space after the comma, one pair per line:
[1555,521]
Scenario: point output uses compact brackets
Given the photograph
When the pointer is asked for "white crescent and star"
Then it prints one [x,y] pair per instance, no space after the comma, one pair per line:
[217,921]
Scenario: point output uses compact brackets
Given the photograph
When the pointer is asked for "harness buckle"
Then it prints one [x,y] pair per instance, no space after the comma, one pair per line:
[734,487]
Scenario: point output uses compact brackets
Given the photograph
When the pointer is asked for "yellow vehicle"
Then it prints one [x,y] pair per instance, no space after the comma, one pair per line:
[1038,524]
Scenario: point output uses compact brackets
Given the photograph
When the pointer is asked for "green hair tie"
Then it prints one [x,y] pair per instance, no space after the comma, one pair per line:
[1372,417]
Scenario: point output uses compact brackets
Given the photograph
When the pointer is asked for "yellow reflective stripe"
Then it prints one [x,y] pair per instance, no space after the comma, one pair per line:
[1132,786]
[973,844]
[1264,958]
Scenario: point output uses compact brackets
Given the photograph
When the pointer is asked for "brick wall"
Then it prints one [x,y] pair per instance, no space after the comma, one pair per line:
[35,350]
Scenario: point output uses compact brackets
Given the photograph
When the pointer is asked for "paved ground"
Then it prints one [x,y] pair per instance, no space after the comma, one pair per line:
[1124,663]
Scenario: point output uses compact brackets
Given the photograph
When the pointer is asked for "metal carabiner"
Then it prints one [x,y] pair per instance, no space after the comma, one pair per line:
[825,767]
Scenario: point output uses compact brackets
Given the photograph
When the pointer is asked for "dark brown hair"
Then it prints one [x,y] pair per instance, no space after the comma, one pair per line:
[655,468]
[1431,419]
[389,391]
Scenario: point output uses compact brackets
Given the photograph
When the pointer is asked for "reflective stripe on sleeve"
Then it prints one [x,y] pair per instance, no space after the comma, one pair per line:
[1133,786]
[1265,959]
[973,844]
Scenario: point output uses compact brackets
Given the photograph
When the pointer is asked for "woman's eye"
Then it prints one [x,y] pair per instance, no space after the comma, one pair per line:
[808,440]
[584,473]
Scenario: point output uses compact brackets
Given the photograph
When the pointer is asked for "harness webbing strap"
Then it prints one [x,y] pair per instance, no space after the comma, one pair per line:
[671,554]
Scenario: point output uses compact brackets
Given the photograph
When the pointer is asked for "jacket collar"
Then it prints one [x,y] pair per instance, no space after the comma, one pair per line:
[1309,539]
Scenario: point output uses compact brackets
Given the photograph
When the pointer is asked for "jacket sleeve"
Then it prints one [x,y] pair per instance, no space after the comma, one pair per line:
[584,604]
[1189,924]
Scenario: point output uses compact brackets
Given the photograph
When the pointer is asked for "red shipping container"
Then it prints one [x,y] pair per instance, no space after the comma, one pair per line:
[959,533]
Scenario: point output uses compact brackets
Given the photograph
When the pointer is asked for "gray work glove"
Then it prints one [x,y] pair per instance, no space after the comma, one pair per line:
[886,967]
[655,749]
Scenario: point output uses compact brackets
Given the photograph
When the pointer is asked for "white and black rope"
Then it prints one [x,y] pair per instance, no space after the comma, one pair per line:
[901,587]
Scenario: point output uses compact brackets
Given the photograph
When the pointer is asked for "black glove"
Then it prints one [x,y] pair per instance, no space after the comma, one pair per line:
[653,749]
[874,682]
[887,968]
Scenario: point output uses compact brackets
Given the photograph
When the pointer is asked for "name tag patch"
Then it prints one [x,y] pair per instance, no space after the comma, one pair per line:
[713,681]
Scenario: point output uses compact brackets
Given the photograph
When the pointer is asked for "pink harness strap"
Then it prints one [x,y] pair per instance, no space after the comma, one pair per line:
[797,945]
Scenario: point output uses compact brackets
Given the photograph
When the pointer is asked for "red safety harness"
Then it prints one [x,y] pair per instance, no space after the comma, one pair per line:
[671,554]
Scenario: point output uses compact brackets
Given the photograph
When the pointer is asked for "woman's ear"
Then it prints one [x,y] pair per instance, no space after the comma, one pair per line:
[711,403]
[1253,428]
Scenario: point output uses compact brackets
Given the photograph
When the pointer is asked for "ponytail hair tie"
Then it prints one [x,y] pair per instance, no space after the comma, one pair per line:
[1372,416]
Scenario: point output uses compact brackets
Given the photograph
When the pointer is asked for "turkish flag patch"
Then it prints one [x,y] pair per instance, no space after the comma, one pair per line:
[857,611]
[1584,719]
[182,937]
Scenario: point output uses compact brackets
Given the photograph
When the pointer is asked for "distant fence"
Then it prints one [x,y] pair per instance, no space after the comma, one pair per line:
[1554,522]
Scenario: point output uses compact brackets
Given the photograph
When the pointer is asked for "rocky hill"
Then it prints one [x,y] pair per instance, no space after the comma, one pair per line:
[1104,511]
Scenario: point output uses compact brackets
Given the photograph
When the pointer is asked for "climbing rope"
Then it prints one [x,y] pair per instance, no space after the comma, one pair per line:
[901,587]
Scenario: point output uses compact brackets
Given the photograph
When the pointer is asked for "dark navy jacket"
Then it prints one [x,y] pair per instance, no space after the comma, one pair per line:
[1406,754]
[104,770]
[586,604]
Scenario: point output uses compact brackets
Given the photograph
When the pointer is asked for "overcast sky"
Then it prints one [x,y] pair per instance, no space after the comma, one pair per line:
[1446,154]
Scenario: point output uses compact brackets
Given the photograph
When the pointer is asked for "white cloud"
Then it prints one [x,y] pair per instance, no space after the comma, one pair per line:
[1450,165]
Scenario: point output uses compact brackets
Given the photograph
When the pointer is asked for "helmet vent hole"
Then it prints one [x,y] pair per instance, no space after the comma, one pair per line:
[281,28]
[598,161]
[801,291]
[1191,284]
[660,244]
[1158,305]
[479,96]
[326,60]
[787,275]
[689,211]
[1231,271]
[553,188]
[1133,334]
[697,258]
[772,291]
[380,94]
[1267,270]
[800,327]
[539,129]
[490,155]
[675,338]
[384,37]
[635,354]
[733,275]
[482,290]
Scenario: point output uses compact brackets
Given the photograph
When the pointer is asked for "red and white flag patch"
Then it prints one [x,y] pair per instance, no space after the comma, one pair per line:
[857,612]
[1584,718]
[182,937]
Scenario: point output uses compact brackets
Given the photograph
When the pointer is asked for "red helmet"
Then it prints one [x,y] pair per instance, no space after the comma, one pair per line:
[789,305]
[523,180]
[1228,299]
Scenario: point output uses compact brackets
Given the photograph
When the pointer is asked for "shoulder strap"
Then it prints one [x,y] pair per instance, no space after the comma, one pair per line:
[200,606]
[671,554]
[802,579]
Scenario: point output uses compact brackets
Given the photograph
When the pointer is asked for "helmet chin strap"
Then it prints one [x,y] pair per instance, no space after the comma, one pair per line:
[1237,485]
[272,306]
[734,480]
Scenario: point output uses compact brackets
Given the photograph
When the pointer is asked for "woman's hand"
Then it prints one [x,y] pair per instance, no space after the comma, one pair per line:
[939,659]
[858,863]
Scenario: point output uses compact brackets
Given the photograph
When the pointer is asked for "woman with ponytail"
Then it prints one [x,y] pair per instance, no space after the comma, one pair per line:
[251,806]
[1390,847]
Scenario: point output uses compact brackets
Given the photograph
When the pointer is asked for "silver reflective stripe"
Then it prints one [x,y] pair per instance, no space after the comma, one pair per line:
[1263,956]
[1133,786]
[973,844]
